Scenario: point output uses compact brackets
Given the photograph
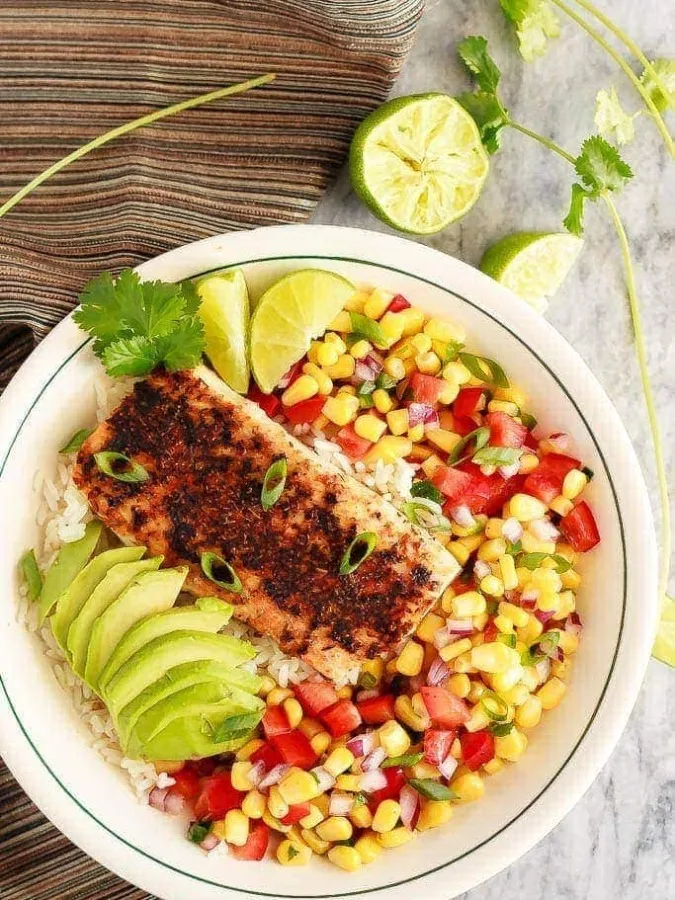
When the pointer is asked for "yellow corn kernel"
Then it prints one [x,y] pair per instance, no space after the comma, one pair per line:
[313,352]
[322,380]
[504,681]
[493,529]
[341,409]
[531,631]
[516,696]
[531,544]
[343,368]
[377,303]
[573,484]
[249,749]
[391,667]
[528,463]
[339,761]
[479,720]
[386,816]
[253,805]
[511,746]
[494,766]
[236,827]
[292,853]
[507,570]
[370,427]
[449,393]
[428,363]
[374,667]
[368,848]
[529,714]
[463,663]
[526,508]
[320,742]
[416,434]
[479,622]
[428,627]
[277,696]
[516,614]
[442,330]
[356,302]
[310,727]
[350,784]
[456,749]
[397,420]
[270,821]
[453,651]
[342,323]
[459,551]
[314,842]
[456,372]
[468,786]
[395,838]
[470,603]
[561,506]
[417,720]
[505,406]
[361,349]
[476,691]
[383,402]
[391,325]
[492,550]
[322,802]
[346,858]
[472,542]
[434,813]
[239,775]
[297,786]
[361,816]
[413,320]
[504,625]
[570,580]
[410,659]
[421,343]
[302,388]
[393,366]
[494,657]
[444,440]
[446,600]
[425,770]
[492,586]
[394,739]
[512,395]
[168,766]
[551,693]
[313,817]
[334,828]
[388,449]
[276,803]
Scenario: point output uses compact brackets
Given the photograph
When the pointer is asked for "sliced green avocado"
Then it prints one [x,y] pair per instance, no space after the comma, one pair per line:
[180,677]
[195,736]
[70,559]
[107,591]
[148,593]
[156,658]
[208,614]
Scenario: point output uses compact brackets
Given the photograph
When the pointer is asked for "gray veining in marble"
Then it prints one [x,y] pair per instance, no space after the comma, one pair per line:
[619,841]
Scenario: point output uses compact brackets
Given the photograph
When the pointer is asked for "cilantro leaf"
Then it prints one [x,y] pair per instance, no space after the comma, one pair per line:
[574,220]
[611,118]
[182,348]
[488,114]
[100,313]
[600,166]
[517,10]
[535,22]
[473,52]
[135,355]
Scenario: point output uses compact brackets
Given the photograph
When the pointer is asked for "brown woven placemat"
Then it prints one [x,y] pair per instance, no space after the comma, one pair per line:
[72,69]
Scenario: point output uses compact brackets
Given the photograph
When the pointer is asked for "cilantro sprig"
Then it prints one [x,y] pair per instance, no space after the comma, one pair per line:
[601,171]
[138,326]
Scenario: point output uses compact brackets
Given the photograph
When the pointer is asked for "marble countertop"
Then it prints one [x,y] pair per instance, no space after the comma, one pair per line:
[619,841]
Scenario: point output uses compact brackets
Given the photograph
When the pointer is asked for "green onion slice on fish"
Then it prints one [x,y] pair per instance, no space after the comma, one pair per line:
[358,552]
[220,572]
[120,467]
[274,483]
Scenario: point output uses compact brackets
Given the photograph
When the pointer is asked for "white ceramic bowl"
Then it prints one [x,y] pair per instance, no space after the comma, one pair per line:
[43,742]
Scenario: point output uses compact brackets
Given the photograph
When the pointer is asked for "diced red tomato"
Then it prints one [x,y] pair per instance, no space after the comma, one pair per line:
[504,430]
[398,303]
[293,373]
[341,718]
[445,709]
[488,493]
[187,783]
[377,710]
[579,528]
[217,797]
[269,403]
[295,749]
[490,632]
[453,483]
[295,812]
[315,696]
[437,743]
[268,755]
[353,445]
[426,388]
[464,425]
[462,584]
[255,847]
[546,481]
[467,402]
[395,781]
[275,721]
[305,411]
[478,748]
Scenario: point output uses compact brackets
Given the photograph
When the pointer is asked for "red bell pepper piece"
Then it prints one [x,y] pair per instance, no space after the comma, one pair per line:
[546,481]
[504,430]
[295,749]
[395,780]
[467,402]
[315,696]
[490,632]
[275,721]
[426,388]
[217,797]
[268,755]
[377,710]
[437,743]
[305,411]
[445,709]
[398,303]
[269,403]
[295,812]
[341,718]
[187,783]
[580,529]
[464,425]
[256,846]
[352,445]
[478,748]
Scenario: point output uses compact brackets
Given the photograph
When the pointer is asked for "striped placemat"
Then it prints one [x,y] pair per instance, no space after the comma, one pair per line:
[72,69]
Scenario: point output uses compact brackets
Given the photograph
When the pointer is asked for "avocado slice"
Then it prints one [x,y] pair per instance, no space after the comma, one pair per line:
[148,593]
[163,653]
[181,677]
[106,592]
[79,590]
[207,614]
[70,559]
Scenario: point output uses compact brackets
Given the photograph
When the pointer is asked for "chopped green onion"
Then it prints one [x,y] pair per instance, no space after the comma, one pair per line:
[358,551]
[120,467]
[431,789]
[292,851]
[508,639]
[236,726]
[367,681]
[501,729]
[365,394]
[76,440]
[368,329]
[485,369]
[385,382]
[452,351]
[532,561]
[211,563]
[274,483]
[198,831]
[425,514]
[541,648]
[514,549]
[497,456]
[31,572]
[480,435]
[528,421]
[494,706]
[491,607]
[589,473]
[359,800]
[408,759]
[428,490]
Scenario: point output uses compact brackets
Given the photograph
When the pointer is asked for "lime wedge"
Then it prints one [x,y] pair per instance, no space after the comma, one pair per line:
[532,265]
[418,162]
[664,645]
[289,315]
[224,312]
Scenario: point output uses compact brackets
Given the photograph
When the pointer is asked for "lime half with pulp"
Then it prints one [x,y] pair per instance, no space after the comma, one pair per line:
[532,264]
[224,312]
[289,315]
[418,162]
[664,646]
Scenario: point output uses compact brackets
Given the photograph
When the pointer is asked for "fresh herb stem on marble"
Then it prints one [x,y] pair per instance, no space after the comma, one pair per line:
[601,172]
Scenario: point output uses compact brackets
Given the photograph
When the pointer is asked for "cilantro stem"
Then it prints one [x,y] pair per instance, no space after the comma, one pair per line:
[128,127]
[546,142]
[621,62]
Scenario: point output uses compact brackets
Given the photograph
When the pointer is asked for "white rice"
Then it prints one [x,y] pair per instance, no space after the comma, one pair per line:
[62,515]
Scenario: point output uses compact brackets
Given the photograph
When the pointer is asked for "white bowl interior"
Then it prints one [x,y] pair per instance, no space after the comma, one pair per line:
[552,759]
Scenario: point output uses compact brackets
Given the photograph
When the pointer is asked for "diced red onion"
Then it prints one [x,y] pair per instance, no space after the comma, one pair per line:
[373,780]
[559,442]
[174,803]
[544,530]
[367,695]
[362,372]
[422,414]
[374,760]
[528,599]
[481,568]
[543,616]
[374,361]
[512,530]
[462,516]
[459,626]
[448,766]
[543,669]
[510,470]
[274,775]
[157,798]
[210,842]
[438,672]
[256,773]
[573,624]
[410,801]
[340,804]
[401,388]
[324,780]
[363,744]
[442,638]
